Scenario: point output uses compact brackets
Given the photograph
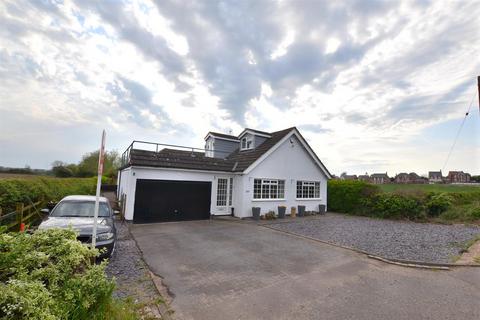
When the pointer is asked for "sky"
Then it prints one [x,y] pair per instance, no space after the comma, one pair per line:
[374,86]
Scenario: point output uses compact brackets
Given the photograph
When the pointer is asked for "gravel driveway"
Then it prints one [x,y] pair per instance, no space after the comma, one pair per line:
[127,266]
[423,242]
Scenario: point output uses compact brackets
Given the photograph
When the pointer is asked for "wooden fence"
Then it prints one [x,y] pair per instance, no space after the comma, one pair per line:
[23,214]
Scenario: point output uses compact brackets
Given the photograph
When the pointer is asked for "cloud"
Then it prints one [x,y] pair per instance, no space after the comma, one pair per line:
[358,77]
[136,100]
[315,128]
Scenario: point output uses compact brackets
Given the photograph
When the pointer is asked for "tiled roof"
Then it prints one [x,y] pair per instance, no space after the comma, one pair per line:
[257,131]
[180,159]
[379,175]
[238,161]
[223,135]
[246,157]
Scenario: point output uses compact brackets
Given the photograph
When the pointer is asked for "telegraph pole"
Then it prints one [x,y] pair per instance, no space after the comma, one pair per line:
[478,83]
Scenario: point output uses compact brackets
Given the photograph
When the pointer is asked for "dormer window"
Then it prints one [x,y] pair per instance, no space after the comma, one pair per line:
[209,148]
[246,143]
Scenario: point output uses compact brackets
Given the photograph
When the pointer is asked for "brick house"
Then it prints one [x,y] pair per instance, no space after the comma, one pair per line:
[379,178]
[364,177]
[435,176]
[349,177]
[402,178]
[458,177]
[411,177]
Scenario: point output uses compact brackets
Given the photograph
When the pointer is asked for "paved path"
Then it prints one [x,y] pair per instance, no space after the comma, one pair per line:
[228,270]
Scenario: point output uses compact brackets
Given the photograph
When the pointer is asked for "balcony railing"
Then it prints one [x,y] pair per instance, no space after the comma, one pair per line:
[157,147]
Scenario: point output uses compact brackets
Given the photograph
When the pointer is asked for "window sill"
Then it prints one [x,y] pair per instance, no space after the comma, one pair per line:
[307,199]
[261,200]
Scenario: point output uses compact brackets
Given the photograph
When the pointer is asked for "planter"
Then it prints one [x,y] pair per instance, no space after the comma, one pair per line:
[256,213]
[293,212]
[322,209]
[281,212]
[301,211]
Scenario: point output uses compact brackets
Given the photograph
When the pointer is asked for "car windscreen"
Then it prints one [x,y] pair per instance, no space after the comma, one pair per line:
[79,209]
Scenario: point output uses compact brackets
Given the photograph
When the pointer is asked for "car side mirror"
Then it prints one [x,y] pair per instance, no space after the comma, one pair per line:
[45,211]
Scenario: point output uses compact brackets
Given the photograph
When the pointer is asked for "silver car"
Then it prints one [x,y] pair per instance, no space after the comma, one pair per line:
[77,212]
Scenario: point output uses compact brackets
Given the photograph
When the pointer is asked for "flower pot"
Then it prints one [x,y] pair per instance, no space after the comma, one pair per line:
[293,212]
[281,212]
[322,209]
[301,211]
[256,213]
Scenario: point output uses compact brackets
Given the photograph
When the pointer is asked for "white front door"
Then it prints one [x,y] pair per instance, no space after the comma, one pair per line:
[223,201]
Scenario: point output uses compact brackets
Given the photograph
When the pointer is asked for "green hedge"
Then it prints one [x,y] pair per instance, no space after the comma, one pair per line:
[49,275]
[13,191]
[359,198]
[349,196]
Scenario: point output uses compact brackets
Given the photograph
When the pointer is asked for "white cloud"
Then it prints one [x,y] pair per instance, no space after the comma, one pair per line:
[362,80]
[332,45]
[282,48]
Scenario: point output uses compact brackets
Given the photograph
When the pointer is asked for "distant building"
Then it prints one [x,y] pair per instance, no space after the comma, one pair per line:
[379,178]
[416,179]
[364,177]
[435,176]
[411,177]
[349,177]
[402,178]
[458,177]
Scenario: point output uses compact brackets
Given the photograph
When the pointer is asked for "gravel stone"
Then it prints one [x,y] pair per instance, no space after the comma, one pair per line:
[129,270]
[422,242]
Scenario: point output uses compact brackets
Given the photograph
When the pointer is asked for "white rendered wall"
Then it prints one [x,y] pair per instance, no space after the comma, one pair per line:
[289,162]
[130,175]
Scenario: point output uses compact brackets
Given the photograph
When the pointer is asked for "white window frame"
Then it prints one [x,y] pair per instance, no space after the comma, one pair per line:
[316,194]
[209,148]
[246,143]
[230,191]
[270,190]
[222,192]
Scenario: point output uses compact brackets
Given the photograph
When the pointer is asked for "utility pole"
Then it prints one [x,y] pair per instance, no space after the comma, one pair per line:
[478,83]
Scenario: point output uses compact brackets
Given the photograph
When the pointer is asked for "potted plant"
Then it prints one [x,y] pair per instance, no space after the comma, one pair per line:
[322,209]
[270,215]
[281,212]
[256,213]
[301,211]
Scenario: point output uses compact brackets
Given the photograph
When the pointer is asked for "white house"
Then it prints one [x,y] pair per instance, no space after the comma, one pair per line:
[232,175]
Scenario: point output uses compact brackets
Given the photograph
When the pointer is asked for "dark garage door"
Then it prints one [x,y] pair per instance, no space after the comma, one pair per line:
[167,200]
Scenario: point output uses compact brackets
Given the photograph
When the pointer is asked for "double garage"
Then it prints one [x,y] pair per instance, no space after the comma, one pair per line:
[171,200]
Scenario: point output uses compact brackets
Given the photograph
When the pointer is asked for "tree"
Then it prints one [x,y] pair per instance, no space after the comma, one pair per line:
[62,170]
[89,164]
[475,179]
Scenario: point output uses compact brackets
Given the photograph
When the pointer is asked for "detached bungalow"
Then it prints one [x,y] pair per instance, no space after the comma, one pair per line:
[232,175]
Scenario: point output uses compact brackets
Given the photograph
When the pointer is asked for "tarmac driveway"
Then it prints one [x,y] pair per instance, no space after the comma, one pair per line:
[232,270]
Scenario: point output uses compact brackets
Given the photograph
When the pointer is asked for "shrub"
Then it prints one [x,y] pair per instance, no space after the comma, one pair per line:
[361,198]
[349,196]
[438,203]
[475,213]
[48,275]
[13,191]
[397,206]
[270,215]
